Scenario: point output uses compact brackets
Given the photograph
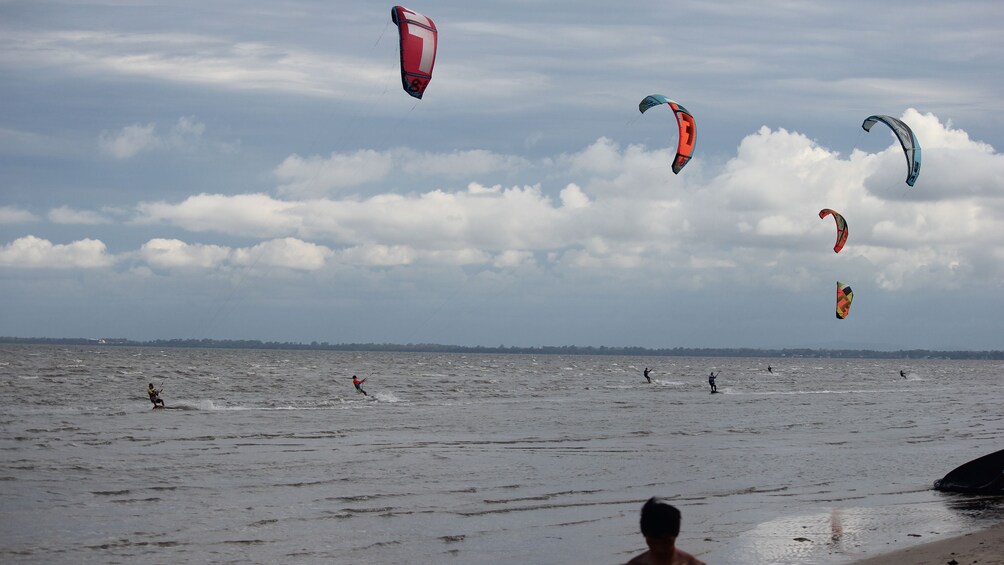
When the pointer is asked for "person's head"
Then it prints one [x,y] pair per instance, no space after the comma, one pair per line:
[660,524]
[150,385]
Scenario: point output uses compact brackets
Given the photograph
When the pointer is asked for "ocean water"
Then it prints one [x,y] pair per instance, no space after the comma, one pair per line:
[271,457]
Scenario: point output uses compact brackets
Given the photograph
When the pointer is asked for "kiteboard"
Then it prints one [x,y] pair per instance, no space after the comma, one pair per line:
[714,392]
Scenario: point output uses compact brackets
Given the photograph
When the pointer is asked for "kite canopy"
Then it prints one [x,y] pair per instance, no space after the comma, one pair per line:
[841,228]
[685,149]
[844,297]
[911,147]
[419,40]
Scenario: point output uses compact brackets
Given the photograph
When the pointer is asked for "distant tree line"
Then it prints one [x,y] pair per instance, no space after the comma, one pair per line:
[502,349]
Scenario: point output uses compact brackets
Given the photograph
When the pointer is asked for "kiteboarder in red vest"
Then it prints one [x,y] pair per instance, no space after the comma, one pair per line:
[359,384]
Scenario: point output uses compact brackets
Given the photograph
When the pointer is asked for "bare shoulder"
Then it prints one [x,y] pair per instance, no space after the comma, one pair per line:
[641,559]
[679,558]
[684,558]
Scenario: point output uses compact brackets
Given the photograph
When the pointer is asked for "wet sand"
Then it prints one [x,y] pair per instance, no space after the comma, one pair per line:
[985,547]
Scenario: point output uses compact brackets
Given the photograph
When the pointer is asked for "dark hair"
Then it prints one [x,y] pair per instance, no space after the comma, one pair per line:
[659,519]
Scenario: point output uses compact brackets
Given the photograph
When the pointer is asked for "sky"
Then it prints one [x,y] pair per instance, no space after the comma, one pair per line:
[253,169]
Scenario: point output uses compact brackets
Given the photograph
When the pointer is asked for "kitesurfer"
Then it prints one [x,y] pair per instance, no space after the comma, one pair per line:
[647,370]
[711,380]
[770,369]
[902,374]
[359,384]
[154,394]
[660,524]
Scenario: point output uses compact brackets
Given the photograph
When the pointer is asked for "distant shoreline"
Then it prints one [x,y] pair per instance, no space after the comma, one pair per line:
[502,349]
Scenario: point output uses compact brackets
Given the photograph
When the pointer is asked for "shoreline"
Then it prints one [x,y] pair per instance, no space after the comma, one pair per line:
[985,547]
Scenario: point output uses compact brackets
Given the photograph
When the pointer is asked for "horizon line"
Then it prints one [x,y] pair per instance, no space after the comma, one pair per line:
[539,349]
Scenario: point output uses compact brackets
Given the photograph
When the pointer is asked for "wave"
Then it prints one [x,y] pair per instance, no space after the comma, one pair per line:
[209,405]
[204,405]
[825,391]
[186,406]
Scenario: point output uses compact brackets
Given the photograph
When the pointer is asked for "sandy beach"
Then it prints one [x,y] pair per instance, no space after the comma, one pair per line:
[984,547]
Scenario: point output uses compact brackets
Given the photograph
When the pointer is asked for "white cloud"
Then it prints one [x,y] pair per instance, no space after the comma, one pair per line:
[458,164]
[573,197]
[604,156]
[492,218]
[187,131]
[186,135]
[511,258]
[176,254]
[245,214]
[285,253]
[486,218]
[34,252]
[197,59]
[128,141]
[67,215]
[953,165]
[779,225]
[289,253]
[314,176]
[942,268]
[755,218]
[15,215]
[378,255]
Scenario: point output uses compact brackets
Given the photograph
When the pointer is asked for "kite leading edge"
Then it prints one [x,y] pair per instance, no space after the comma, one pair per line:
[419,40]
[684,119]
[911,147]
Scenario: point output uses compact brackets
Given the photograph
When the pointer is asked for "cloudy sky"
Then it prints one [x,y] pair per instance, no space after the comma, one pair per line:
[252,169]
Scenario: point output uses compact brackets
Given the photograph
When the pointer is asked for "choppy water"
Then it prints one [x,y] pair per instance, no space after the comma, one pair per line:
[272,457]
